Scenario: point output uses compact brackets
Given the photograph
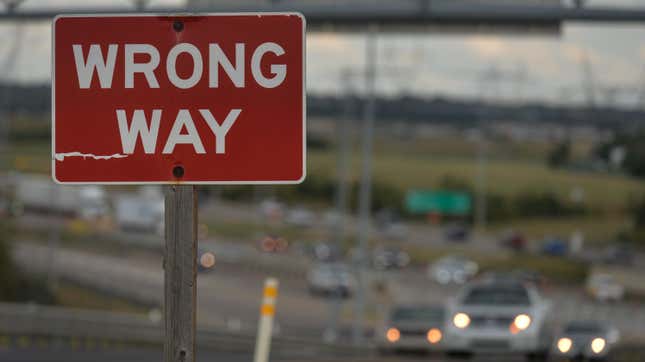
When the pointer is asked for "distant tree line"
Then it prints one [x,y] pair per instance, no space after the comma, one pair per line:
[15,285]
[633,146]
[636,233]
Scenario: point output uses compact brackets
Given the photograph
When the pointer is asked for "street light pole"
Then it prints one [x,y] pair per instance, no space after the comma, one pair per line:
[366,181]
[482,184]
[338,229]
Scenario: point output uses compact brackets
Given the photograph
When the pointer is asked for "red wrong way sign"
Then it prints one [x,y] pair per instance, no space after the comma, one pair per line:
[208,99]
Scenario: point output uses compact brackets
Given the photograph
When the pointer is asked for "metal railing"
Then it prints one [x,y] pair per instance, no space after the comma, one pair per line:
[62,323]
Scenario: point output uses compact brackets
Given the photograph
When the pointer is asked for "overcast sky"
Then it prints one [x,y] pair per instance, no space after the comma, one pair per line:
[507,67]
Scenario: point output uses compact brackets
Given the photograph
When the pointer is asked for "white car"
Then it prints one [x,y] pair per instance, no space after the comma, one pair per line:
[301,217]
[272,210]
[604,288]
[331,279]
[452,269]
[499,317]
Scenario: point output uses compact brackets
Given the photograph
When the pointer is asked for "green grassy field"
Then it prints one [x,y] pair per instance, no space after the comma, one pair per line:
[512,169]
[505,177]
[609,193]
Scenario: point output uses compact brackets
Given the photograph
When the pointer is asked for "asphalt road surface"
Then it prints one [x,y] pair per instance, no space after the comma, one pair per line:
[229,299]
[155,355]
[229,296]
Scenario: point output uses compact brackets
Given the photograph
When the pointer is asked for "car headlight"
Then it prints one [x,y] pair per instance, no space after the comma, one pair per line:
[522,322]
[564,345]
[461,320]
[434,335]
[598,345]
[393,335]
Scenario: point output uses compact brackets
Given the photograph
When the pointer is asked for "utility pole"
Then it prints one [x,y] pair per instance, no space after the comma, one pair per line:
[365,201]
[6,67]
[180,272]
[641,96]
[589,85]
[520,78]
[343,131]
[140,5]
[481,207]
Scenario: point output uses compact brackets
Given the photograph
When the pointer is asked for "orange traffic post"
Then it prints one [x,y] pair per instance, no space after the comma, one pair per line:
[265,325]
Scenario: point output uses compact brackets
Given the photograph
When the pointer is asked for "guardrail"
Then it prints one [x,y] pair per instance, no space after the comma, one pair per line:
[67,323]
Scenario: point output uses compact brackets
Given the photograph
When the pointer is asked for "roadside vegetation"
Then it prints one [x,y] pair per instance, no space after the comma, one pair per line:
[16,286]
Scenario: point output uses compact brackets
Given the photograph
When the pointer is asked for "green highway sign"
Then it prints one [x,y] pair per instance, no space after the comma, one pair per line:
[443,202]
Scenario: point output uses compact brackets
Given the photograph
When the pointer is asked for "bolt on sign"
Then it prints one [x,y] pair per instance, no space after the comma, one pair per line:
[196,99]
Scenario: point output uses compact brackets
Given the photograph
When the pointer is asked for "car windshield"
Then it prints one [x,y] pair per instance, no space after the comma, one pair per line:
[583,328]
[497,295]
[456,261]
[333,269]
[604,279]
[417,313]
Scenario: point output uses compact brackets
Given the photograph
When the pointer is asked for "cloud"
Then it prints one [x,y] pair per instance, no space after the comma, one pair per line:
[487,47]
[328,42]
[575,53]
[34,4]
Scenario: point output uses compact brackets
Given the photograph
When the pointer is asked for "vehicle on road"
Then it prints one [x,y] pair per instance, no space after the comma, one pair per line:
[590,340]
[514,241]
[7,208]
[271,210]
[331,279]
[324,252]
[555,247]
[605,288]
[618,255]
[273,244]
[499,317]
[412,328]
[300,217]
[452,269]
[395,231]
[531,276]
[456,232]
[389,224]
[37,193]
[384,258]
[139,213]
[331,218]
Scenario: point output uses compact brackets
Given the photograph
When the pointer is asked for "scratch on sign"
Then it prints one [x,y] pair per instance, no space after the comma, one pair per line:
[61,156]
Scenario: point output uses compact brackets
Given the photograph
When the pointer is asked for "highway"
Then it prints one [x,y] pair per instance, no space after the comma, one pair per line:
[224,300]
[229,296]
[206,355]
[210,355]
[129,355]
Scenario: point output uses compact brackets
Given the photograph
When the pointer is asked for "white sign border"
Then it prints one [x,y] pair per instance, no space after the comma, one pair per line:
[179,182]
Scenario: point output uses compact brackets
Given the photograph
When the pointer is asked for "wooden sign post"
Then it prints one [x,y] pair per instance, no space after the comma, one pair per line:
[180,271]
